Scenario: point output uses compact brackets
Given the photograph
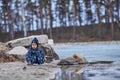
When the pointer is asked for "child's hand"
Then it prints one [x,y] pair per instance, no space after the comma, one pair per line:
[28,63]
[45,59]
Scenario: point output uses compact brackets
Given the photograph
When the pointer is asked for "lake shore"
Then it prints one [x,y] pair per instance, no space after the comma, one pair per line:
[21,71]
[91,42]
[51,71]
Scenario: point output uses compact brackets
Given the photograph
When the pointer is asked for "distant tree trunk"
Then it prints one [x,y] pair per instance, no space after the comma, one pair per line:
[32,22]
[37,14]
[23,19]
[29,27]
[41,20]
[50,15]
[80,21]
[69,18]
[99,20]
[11,27]
[67,13]
[74,24]
[5,24]
[111,17]
[11,32]
[117,6]
[106,15]
[1,35]
[46,20]
[4,11]
[37,24]
[118,13]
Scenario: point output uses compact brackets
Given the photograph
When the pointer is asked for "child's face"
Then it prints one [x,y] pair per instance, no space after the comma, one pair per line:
[34,45]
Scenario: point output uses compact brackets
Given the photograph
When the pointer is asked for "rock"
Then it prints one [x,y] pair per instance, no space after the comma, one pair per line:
[3,48]
[19,44]
[43,39]
[75,60]
[79,58]
[7,57]
[49,52]
[19,50]
[50,42]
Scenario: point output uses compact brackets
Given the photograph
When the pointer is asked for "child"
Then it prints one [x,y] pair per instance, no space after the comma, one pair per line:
[35,54]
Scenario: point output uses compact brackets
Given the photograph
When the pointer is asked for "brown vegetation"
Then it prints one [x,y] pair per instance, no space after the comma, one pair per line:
[83,34]
[4,57]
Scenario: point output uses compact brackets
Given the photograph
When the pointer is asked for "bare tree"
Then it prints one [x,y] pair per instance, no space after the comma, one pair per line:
[99,19]
[75,14]
[111,17]
[51,18]
[109,8]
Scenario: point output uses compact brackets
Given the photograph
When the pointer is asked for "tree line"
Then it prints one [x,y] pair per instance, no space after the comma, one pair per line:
[44,15]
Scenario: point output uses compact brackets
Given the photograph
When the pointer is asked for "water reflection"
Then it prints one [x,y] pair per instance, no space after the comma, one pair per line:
[97,71]
[70,72]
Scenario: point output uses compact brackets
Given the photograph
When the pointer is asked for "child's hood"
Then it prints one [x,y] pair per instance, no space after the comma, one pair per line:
[35,40]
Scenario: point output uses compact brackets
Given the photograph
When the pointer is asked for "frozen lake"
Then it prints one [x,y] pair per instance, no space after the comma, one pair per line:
[91,51]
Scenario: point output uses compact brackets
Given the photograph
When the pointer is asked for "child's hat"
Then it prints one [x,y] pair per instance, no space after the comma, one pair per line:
[35,40]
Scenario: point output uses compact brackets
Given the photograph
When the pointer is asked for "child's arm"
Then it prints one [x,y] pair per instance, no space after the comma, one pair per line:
[42,53]
[28,56]
[41,56]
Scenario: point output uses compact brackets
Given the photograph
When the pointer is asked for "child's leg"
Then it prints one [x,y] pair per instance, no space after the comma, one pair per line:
[40,60]
[33,60]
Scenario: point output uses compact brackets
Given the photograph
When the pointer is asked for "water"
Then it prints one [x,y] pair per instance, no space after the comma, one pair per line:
[92,52]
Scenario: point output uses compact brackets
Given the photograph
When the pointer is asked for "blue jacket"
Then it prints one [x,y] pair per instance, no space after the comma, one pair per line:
[35,55]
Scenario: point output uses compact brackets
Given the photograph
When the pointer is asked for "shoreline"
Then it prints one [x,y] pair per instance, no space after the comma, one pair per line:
[91,42]
[21,71]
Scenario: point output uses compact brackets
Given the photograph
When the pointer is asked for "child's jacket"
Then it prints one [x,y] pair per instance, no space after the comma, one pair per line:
[35,55]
